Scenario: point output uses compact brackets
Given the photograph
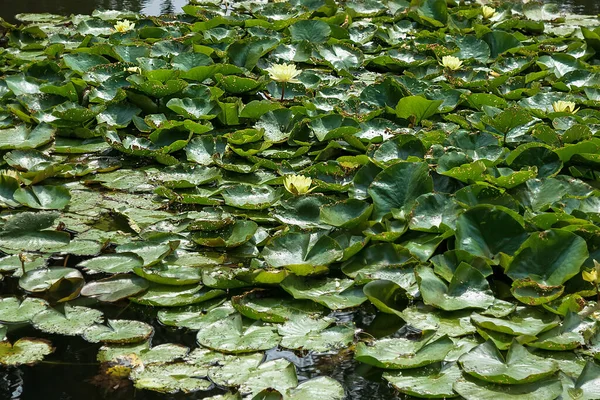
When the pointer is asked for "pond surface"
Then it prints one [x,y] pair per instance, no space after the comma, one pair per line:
[9,8]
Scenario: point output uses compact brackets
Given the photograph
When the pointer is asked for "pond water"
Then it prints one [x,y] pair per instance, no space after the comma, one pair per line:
[9,8]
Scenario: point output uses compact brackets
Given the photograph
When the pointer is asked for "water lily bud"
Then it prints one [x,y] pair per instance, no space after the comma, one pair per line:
[590,276]
[124,26]
[565,106]
[298,184]
[488,12]
[285,73]
[137,70]
[451,62]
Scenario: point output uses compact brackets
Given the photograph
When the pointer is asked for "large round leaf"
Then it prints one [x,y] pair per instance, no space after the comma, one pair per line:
[430,382]
[230,335]
[485,231]
[115,288]
[485,362]
[302,253]
[467,289]
[118,331]
[398,186]
[72,322]
[549,258]
[404,353]
[24,351]
[333,293]
[473,389]
[62,284]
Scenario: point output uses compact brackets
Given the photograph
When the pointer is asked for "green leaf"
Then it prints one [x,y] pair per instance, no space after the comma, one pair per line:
[485,231]
[333,293]
[21,137]
[404,353]
[24,351]
[429,382]
[398,187]
[473,389]
[549,258]
[467,289]
[417,107]
[13,311]
[115,288]
[301,253]
[229,335]
[310,30]
[485,362]
[43,197]
[118,331]
[310,334]
[72,322]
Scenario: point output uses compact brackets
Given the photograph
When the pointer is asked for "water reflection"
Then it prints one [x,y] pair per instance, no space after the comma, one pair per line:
[9,8]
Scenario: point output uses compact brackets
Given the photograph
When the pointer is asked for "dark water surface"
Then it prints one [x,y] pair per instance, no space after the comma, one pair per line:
[9,8]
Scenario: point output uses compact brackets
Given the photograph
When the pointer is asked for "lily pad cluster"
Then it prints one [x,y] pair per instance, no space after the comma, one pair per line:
[249,170]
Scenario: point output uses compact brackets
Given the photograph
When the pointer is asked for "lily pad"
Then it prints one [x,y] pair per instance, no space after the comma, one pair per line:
[485,362]
[24,351]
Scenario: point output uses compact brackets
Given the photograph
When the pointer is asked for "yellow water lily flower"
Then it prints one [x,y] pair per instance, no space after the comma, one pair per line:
[451,62]
[564,106]
[284,73]
[298,184]
[124,26]
[590,276]
[488,12]
[593,275]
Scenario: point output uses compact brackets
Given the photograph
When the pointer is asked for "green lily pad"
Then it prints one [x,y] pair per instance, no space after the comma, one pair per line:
[430,382]
[249,197]
[118,331]
[404,353]
[346,214]
[72,322]
[260,305]
[398,186]
[116,263]
[322,387]
[231,236]
[307,333]
[485,362]
[333,293]
[473,389]
[21,137]
[549,258]
[171,378]
[524,321]
[467,289]
[250,377]
[303,254]
[485,231]
[230,335]
[62,284]
[24,351]
[13,311]
[115,288]
[173,296]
